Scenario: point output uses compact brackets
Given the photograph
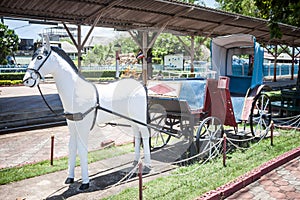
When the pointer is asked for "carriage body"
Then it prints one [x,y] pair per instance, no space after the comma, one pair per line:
[233,97]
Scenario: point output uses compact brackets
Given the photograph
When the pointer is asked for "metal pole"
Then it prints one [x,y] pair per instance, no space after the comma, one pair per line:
[145,50]
[140,181]
[272,132]
[192,54]
[52,150]
[117,64]
[79,48]
[275,64]
[224,150]
[293,63]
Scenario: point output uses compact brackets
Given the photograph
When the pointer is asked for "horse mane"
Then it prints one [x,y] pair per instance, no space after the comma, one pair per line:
[63,54]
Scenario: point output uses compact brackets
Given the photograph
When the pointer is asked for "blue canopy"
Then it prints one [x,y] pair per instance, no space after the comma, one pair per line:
[223,52]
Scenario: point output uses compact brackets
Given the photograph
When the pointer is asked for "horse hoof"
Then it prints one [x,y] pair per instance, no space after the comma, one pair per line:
[146,170]
[84,186]
[135,163]
[69,180]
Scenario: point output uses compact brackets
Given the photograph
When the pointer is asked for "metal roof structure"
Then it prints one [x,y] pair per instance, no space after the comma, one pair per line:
[150,15]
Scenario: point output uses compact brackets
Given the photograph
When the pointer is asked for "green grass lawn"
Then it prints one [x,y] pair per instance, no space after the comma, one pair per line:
[186,182]
[194,180]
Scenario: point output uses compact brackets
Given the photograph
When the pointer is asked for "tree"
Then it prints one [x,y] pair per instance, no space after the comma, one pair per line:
[127,45]
[8,43]
[99,55]
[275,11]
[245,7]
[278,11]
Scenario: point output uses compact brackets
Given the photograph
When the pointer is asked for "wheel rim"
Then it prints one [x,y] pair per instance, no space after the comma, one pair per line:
[208,137]
[260,117]
[158,117]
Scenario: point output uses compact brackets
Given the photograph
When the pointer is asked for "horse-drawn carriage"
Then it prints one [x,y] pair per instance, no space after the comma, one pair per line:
[194,109]
[200,108]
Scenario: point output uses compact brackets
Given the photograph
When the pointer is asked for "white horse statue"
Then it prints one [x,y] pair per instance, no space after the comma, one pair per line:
[83,102]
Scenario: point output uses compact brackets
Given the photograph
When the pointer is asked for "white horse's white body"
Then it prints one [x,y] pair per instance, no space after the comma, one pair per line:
[126,97]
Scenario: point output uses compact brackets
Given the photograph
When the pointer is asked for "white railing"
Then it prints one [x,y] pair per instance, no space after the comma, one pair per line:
[283,70]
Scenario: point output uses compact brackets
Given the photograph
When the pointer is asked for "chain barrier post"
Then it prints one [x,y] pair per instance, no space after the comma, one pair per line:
[272,132]
[224,149]
[140,180]
[52,150]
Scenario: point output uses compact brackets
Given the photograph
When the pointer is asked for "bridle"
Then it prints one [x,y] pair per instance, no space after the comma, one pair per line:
[35,73]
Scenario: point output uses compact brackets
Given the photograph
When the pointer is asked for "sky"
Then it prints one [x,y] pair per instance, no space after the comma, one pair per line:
[30,31]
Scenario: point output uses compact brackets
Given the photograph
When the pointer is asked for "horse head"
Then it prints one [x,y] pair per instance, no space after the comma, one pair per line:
[35,70]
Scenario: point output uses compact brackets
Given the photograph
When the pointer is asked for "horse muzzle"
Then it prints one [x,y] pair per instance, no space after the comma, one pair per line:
[31,79]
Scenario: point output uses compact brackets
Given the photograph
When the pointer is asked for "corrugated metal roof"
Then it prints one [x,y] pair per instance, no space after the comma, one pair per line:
[177,17]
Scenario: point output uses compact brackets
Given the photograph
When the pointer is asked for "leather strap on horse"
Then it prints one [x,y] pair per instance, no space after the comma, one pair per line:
[75,116]
[38,86]
[80,116]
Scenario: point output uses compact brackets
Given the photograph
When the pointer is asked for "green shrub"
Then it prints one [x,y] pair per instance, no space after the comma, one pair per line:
[98,74]
[12,76]
[10,82]
[101,79]
[274,95]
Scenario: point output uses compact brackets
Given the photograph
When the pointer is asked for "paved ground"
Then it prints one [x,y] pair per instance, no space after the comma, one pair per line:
[281,183]
[31,146]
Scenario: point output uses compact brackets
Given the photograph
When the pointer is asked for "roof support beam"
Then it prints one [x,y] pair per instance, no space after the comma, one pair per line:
[145,51]
[145,46]
[78,44]
[70,35]
[79,48]
[275,55]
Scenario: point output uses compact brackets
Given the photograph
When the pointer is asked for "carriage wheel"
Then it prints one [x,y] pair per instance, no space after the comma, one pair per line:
[158,118]
[208,137]
[260,116]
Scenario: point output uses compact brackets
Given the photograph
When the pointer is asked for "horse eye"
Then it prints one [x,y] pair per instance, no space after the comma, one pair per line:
[40,57]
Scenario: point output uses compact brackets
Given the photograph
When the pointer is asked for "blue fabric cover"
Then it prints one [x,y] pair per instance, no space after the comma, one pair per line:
[257,76]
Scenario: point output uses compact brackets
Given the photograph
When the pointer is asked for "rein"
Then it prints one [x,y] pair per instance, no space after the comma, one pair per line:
[43,97]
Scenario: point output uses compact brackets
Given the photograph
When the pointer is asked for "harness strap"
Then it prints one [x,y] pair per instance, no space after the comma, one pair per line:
[96,108]
[152,126]
[80,116]
[43,97]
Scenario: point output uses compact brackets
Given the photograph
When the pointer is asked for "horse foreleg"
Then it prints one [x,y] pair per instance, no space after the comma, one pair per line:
[72,155]
[82,144]
[137,144]
[145,136]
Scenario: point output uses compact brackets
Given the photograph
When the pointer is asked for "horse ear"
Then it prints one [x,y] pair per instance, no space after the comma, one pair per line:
[47,42]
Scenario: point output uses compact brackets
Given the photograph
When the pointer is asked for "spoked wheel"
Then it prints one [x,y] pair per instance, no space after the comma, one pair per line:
[158,118]
[260,116]
[208,137]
